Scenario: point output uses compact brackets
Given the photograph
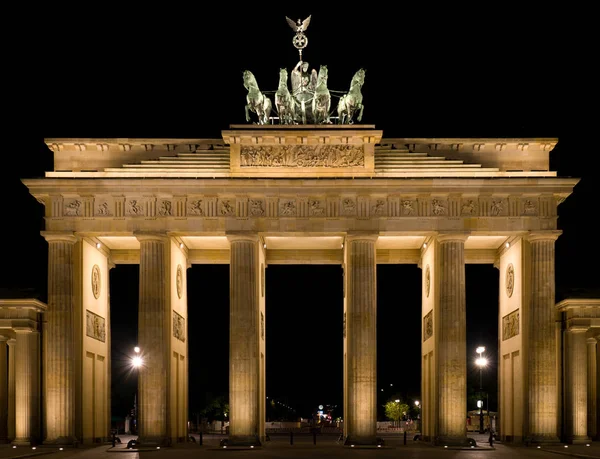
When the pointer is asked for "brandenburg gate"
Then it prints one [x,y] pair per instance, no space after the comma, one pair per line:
[270,194]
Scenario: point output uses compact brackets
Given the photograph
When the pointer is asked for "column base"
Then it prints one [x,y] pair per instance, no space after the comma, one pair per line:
[61,441]
[450,440]
[152,441]
[541,440]
[23,442]
[243,440]
[359,440]
[578,439]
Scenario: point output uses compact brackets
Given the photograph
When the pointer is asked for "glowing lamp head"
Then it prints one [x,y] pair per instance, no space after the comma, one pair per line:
[137,361]
[481,362]
[480,349]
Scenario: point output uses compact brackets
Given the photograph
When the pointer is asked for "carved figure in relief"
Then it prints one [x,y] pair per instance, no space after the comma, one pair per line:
[529,208]
[468,208]
[497,207]
[103,209]
[348,206]
[315,208]
[226,208]
[256,207]
[165,209]
[287,208]
[135,208]
[73,208]
[257,102]
[379,207]
[438,207]
[407,207]
[196,208]
[284,102]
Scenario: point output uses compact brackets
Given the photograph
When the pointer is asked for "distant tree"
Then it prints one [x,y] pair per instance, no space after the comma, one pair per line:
[216,408]
[395,410]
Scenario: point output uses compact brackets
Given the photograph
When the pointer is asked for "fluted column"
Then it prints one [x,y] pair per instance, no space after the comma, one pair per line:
[59,342]
[597,435]
[592,389]
[541,345]
[3,390]
[11,388]
[244,335]
[27,389]
[361,336]
[153,338]
[452,344]
[576,385]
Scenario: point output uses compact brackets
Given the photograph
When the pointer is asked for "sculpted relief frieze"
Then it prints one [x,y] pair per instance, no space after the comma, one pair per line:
[302,156]
[350,205]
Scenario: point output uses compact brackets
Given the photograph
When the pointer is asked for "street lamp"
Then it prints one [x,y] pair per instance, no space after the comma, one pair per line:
[481,362]
[136,362]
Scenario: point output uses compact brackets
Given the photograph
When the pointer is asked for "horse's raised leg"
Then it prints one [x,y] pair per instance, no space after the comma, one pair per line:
[359,117]
[247,114]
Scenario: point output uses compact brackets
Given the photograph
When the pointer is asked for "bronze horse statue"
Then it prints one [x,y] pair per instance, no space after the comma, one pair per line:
[351,102]
[257,102]
[284,102]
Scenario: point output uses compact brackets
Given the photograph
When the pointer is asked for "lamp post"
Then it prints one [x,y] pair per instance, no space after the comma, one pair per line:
[136,362]
[417,403]
[481,362]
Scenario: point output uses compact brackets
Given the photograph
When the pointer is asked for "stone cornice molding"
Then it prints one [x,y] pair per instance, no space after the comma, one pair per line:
[452,237]
[552,235]
[59,236]
[3,338]
[28,303]
[578,328]
[578,303]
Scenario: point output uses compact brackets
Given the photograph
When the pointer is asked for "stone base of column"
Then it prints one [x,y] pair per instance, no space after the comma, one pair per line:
[23,442]
[359,440]
[61,441]
[578,439]
[153,441]
[542,440]
[446,440]
[243,440]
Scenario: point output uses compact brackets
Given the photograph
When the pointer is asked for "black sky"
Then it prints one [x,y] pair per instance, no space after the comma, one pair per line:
[175,72]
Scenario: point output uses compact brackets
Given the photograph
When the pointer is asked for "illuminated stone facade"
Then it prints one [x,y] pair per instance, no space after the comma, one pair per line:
[312,194]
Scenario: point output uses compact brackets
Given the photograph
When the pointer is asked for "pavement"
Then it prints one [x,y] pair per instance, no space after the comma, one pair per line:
[327,446]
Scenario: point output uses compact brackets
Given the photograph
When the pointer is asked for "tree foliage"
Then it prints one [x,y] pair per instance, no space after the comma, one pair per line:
[396,410]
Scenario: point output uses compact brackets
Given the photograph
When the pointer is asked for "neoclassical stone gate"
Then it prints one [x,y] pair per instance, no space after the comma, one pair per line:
[264,195]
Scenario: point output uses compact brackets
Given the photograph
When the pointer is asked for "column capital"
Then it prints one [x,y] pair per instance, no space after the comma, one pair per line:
[11,342]
[361,236]
[590,340]
[23,330]
[551,235]
[3,338]
[578,328]
[248,236]
[452,237]
[149,236]
[59,236]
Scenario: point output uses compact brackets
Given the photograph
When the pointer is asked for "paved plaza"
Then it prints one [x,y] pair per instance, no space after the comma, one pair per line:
[303,447]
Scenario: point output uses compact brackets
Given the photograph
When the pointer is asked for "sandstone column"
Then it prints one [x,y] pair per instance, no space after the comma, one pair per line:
[452,346]
[597,435]
[11,389]
[244,336]
[27,389]
[576,385]
[3,390]
[592,389]
[361,336]
[153,338]
[59,369]
[541,342]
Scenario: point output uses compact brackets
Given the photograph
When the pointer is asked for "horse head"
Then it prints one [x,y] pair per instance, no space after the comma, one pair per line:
[359,77]
[249,80]
[283,77]
[323,75]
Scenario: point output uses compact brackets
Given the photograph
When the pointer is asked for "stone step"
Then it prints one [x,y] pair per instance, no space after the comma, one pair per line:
[467,168]
[175,166]
[401,163]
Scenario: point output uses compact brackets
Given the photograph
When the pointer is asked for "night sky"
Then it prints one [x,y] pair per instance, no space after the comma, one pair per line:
[178,73]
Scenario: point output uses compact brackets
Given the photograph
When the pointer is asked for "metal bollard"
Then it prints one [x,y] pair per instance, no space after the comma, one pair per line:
[405,437]
[291,438]
[314,437]
[200,439]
